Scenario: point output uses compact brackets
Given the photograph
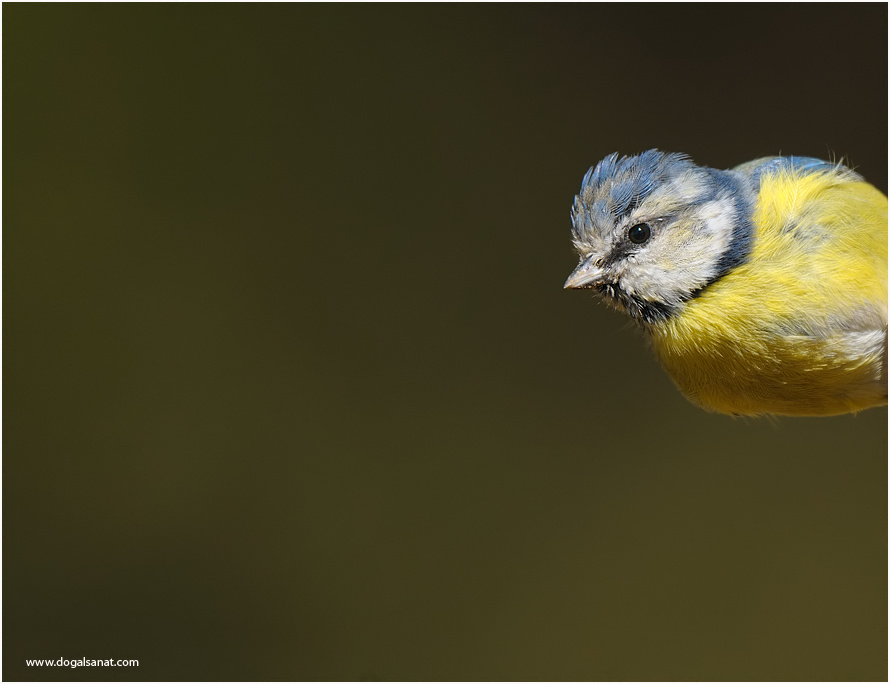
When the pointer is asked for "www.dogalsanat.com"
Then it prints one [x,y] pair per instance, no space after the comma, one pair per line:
[81,662]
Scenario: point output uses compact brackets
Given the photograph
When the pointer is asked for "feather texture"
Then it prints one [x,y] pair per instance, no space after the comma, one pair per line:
[768,282]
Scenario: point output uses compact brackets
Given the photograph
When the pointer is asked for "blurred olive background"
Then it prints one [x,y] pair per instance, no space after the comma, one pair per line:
[293,390]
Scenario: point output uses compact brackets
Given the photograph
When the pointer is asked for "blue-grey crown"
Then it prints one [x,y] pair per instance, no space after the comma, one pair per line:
[615,187]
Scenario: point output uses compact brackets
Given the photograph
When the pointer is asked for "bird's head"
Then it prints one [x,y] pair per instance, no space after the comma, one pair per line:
[654,229]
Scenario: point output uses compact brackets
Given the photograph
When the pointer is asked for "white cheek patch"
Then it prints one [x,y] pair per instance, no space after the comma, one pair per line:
[715,235]
[656,283]
[686,257]
[695,259]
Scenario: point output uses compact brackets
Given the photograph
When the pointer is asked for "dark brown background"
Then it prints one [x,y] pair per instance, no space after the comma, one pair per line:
[293,391]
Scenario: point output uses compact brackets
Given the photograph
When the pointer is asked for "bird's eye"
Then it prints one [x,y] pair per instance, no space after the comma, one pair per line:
[639,233]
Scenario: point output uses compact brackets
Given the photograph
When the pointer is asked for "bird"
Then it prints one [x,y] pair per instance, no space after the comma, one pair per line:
[762,289]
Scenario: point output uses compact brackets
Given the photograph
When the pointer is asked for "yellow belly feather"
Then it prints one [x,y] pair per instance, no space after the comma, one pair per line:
[801,328]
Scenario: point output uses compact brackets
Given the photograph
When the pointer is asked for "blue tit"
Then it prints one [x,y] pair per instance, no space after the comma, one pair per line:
[762,289]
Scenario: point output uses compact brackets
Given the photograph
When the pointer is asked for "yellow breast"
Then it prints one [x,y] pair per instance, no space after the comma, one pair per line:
[801,328]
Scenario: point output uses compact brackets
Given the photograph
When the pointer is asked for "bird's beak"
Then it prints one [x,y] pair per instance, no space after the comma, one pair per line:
[585,276]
